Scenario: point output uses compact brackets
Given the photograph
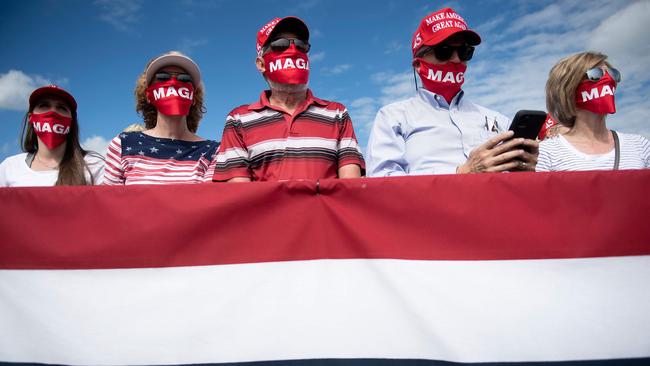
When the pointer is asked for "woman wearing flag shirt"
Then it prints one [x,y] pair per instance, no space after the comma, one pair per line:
[169,96]
[579,95]
[52,153]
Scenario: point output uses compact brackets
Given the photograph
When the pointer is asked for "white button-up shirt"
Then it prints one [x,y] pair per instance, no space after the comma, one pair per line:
[425,135]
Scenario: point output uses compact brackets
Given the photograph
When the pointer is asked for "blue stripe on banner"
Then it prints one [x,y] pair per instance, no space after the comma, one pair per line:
[398,362]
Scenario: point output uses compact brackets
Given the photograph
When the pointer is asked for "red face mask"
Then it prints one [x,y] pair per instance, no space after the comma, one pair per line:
[171,97]
[597,97]
[444,79]
[50,127]
[548,124]
[288,67]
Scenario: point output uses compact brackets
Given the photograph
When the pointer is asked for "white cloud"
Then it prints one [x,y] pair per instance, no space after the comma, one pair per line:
[188,45]
[512,71]
[624,36]
[15,88]
[315,33]
[6,148]
[317,56]
[121,14]
[392,87]
[363,110]
[306,5]
[96,143]
[336,70]
[393,47]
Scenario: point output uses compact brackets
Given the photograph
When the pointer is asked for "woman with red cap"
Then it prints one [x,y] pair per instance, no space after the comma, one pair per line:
[579,95]
[169,96]
[50,141]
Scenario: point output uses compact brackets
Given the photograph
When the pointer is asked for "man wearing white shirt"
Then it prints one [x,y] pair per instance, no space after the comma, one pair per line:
[439,131]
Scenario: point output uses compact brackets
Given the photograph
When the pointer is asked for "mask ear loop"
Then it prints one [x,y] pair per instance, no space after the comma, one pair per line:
[415,80]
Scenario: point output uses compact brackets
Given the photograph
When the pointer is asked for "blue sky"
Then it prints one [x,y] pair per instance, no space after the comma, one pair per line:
[360,54]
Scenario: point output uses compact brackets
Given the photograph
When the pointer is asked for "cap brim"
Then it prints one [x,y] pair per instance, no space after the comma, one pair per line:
[52,90]
[174,60]
[293,25]
[471,37]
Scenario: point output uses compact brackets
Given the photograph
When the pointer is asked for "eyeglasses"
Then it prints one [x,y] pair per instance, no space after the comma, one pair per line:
[182,77]
[597,73]
[444,52]
[282,44]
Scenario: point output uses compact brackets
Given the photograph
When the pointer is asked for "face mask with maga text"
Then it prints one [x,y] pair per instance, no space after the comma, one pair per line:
[288,67]
[597,97]
[445,79]
[171,97]
[50,127]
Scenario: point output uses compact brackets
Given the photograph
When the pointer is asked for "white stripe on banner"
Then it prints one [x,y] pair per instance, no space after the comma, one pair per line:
[464,311]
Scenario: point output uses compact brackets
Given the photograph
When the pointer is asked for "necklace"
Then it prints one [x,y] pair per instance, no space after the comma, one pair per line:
[52,167]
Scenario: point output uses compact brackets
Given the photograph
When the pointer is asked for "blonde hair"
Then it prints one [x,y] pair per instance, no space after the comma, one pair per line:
[149,113]
[134,127]
[563,80]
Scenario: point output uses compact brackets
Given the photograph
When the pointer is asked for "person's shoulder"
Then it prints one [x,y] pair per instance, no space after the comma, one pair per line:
[240,110]
[396,112]
[124,135]
[551,142]
[484,110]
[399,105]
[93,158]
[633,138]
[14,159]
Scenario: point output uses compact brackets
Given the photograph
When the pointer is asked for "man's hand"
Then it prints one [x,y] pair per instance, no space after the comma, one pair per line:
[495,155]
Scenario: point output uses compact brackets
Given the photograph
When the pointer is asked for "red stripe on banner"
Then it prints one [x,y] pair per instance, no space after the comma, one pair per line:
[475,217]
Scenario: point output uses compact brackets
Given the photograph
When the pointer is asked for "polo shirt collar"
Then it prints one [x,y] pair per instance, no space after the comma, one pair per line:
[264,101]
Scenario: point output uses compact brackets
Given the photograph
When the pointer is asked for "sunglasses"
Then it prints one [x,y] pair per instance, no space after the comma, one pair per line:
[444,52]
[597,73]
[282,44]
[182,77]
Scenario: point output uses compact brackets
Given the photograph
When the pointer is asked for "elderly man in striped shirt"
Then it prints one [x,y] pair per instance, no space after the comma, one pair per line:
[289,133]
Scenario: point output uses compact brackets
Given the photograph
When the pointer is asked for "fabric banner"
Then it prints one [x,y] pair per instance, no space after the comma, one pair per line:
[521,268]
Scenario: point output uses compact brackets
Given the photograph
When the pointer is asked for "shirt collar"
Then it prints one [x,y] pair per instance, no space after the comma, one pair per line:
[264,101]
[438,100]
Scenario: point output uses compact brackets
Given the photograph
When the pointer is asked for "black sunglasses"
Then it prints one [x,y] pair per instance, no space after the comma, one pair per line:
[182,77]
[282,44]
[597,73]
[444,52]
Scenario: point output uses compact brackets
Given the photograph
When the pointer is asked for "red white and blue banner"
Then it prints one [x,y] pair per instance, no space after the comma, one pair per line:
[513,269]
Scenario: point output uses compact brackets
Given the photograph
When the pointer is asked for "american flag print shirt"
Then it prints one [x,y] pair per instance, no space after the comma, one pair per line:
[137,158]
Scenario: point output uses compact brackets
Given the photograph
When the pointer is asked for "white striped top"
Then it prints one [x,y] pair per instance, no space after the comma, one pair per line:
[557,154]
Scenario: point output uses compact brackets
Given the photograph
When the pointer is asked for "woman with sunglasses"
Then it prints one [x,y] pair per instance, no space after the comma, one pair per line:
[579,95]
[440,131]
[52,153]
[169,96]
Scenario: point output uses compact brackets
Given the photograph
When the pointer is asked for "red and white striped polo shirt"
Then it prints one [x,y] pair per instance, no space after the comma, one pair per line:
[265,143]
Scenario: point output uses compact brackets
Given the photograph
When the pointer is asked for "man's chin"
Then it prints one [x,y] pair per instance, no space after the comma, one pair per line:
[287,88]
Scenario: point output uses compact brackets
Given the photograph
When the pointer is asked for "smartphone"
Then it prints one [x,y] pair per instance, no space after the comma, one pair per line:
[527,124]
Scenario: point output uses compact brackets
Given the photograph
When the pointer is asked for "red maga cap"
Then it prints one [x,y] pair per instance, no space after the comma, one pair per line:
[288,24]
[52,90]
[440,25]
